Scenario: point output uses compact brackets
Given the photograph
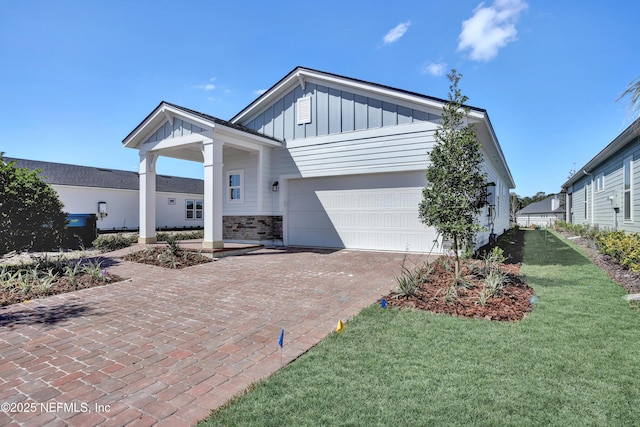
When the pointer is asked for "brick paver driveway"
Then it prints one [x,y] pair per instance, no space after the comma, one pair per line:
[167,346]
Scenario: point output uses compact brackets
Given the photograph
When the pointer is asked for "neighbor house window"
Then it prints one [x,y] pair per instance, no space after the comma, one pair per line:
[194,209]
[627,188]
[599,182]
[235,179]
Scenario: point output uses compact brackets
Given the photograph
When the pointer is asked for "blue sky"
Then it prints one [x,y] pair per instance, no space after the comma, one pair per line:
[78,76]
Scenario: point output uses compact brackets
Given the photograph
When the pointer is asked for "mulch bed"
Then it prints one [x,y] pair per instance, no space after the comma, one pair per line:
[515,301]
[159,256]
[15,295]
[511,304]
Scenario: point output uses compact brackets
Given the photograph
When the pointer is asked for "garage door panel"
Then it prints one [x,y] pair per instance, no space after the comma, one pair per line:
[361,212]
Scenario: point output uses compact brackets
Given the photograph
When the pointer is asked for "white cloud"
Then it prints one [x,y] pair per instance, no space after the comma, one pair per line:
[434,69]
[396,33]
[490,28]
[207,86]
[259,92]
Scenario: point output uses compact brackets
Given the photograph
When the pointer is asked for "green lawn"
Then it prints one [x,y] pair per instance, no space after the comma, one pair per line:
[575,360]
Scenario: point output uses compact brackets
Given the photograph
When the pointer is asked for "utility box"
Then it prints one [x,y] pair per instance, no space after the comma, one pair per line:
[82,230]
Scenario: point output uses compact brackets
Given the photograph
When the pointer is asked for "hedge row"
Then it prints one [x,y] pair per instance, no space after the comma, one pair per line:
[619,245]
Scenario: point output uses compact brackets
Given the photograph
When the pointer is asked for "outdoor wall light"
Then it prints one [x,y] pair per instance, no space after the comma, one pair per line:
[274,187]
[102,209]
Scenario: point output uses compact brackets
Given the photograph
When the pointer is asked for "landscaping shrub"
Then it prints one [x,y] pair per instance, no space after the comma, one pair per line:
[31,215]
[191,235]
[112,242]
[621,246]
[587,231]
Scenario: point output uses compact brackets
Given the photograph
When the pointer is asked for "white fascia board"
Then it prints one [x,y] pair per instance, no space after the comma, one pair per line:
[632,131]
[302,76]
[275,92]
[161,114]
[142,131]
[365,89]
[492,150]
[183,115]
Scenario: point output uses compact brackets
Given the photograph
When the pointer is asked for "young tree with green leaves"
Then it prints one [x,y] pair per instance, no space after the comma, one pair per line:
[31,213]
[456,187]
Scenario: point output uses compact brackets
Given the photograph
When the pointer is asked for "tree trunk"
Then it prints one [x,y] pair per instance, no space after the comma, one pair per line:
[457,262]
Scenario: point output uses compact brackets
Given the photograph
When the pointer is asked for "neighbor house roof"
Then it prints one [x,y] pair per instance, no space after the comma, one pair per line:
[88,176]
[626,136]
[542,207]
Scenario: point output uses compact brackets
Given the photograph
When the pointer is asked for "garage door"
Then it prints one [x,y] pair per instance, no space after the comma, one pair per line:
[377,211]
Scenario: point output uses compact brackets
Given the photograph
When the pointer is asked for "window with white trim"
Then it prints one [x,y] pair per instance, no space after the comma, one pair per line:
[628,188]
[599,182]
[193,209]
[235,190]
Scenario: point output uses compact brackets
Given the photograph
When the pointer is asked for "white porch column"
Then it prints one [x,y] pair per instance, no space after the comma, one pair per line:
[147,198]
[213,194]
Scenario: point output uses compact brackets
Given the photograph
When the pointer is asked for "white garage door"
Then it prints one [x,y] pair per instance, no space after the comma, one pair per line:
[377,211]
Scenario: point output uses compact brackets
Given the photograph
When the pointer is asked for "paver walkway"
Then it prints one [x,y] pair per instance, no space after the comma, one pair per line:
[167,346]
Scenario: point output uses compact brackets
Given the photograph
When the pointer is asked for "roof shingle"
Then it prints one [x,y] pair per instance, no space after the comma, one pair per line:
[88,176]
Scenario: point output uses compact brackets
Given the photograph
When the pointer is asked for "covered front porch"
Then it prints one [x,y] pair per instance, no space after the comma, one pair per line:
[177,132]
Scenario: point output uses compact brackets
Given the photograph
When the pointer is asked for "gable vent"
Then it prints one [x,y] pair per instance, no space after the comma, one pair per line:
[304,110]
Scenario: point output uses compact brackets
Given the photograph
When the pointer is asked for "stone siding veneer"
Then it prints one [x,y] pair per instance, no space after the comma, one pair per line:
[252,228]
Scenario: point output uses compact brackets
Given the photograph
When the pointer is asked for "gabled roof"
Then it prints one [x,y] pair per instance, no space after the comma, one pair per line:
[301,75]
[626,136]
[163,111]
[541,207]
[87,176]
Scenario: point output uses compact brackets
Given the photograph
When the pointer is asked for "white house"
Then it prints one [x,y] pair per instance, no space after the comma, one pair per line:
[602,193]
[113,195]
[543,213]
[318,160]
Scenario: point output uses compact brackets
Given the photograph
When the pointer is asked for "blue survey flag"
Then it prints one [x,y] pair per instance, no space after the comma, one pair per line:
[383,303]
[281,339]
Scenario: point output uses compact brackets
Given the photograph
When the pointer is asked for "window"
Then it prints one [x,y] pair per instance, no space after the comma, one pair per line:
[627,188]
[194,209]
[235,191]
[599,182]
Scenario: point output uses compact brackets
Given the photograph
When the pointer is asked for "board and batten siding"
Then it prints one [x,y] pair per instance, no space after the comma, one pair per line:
[177,129]
[333,111]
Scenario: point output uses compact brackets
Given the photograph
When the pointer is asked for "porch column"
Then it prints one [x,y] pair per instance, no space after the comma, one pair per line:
[213,194]
[147,198]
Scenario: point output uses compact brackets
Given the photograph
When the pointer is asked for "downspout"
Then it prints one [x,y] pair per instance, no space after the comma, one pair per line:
[592,194]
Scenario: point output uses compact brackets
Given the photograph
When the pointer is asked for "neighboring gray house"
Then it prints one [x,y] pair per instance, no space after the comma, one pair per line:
[113,195]
[602,193]
[543,213]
